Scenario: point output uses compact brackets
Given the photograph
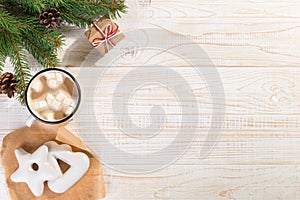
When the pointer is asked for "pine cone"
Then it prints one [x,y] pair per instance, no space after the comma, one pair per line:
[8,84]
[50,18]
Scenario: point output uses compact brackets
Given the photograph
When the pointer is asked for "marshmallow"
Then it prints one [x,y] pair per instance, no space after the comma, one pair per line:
[68,101]
[49,115]
[62,94]
[53,83]
[68,111]
[40,105]
[37,85]
[59,77]
[54,79]
[55,105]
[49,98]
[49,75]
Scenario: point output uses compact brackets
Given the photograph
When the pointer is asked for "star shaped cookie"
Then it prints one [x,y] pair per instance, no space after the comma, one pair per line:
[34,169]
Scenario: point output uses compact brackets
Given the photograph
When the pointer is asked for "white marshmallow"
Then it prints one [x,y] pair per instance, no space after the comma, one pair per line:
[55,105]
[49,115]
[54,79]
[59,77]
[69,110]
[61,95]
[35,105]
[49,98]
[37,86]
[49,75]
[40,105]
[68,101]
[53,83]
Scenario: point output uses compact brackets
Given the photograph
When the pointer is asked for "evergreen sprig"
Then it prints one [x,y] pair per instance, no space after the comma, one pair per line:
[21,33]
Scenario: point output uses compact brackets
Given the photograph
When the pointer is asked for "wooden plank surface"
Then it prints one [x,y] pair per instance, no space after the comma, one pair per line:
[254,45]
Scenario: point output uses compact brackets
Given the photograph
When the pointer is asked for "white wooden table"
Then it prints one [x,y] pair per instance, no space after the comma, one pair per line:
[255,47]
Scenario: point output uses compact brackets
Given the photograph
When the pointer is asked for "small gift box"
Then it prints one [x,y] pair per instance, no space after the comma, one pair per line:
[104,35]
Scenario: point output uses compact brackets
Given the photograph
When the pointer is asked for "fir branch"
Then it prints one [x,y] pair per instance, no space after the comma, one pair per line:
[7,21]
[42,44]
[22,72]
[83,12]
[2,52]
[79,13]
[10,44]
[21,68]
[32,7]
[2,62]
[45,57]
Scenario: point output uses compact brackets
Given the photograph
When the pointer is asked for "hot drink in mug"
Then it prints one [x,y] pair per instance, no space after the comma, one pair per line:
[52,96]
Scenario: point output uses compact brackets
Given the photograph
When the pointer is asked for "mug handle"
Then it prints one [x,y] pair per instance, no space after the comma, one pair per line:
[30,120]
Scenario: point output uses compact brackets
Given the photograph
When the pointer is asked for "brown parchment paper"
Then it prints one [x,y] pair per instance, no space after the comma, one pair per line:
[89,187]
[93,33]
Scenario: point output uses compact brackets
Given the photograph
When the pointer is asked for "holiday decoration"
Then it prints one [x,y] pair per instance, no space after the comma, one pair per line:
[50,18]
[8,84]
[79,164]
[42,165]
[42,152]
[104,35]
[34,169]
[31,26]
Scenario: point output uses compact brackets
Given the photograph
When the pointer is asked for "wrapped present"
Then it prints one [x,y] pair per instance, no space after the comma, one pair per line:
[104,35]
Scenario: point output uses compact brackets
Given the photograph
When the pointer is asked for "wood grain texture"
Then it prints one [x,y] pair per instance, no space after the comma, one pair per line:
[243,33]
[211,182]
[254,45]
